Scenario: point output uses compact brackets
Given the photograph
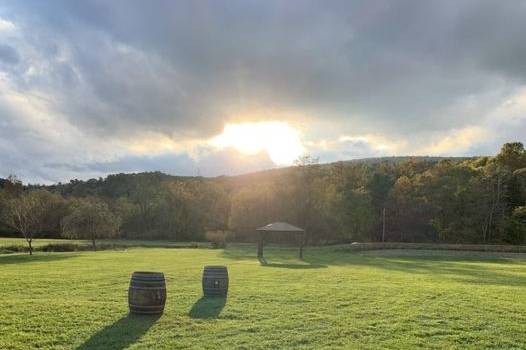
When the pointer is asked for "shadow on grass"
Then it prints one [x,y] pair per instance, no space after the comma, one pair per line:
[277,256]
[465,267]
[470,269]
[265,263]
[121,334]
[207,307]
[36,257]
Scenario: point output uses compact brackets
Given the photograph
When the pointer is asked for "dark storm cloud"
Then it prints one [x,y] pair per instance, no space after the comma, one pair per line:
[183,68]
[179,66]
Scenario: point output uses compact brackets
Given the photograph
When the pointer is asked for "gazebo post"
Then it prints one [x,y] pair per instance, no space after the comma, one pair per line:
[260,245]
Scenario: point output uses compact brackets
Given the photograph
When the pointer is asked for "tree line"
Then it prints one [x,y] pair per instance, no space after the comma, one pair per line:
[467,200]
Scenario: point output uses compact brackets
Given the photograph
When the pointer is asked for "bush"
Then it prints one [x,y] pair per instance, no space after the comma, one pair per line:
[71,247]
[59,247]
[217,238]
[13,249]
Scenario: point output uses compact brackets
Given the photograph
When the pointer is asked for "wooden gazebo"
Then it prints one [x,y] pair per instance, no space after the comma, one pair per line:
[279,227]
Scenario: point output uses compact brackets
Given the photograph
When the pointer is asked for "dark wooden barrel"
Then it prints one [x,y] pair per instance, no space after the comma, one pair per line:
[147,293]
[215,281]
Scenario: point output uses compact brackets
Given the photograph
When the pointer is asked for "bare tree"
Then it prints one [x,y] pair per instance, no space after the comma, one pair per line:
[25,213]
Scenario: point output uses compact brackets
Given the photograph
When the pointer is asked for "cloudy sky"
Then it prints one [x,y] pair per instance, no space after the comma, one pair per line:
[89,88]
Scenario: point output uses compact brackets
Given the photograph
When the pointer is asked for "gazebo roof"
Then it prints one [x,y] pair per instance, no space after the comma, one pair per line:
[280,227]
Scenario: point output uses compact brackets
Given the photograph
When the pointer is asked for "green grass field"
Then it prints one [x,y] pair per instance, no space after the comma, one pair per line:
[7,242]
[20,242]
[333,299]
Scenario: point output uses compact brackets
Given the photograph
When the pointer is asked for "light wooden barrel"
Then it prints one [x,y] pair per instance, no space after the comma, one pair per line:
[215,281]
[147,293]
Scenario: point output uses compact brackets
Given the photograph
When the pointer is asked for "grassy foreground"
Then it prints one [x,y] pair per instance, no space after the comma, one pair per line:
[332,300]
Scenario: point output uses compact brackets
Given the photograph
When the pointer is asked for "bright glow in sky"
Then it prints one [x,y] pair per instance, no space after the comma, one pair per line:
[84,97]
[6,26]
[281,141]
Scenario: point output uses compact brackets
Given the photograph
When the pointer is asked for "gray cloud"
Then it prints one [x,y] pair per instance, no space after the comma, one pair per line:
[214,163]
[407,69]
[8,55]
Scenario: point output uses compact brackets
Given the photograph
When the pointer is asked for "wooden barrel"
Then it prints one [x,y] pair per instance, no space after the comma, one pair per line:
[147,293]
[215,281]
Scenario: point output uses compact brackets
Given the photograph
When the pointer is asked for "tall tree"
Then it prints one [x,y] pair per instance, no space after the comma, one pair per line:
[516,226]
[512,156]
[91,219]
[308,171]
[380,183]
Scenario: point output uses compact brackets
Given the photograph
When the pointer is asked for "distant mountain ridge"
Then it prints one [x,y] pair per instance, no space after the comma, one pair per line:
[403,158]
[163,176]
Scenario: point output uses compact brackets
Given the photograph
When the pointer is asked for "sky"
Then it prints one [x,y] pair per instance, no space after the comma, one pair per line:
[89,88]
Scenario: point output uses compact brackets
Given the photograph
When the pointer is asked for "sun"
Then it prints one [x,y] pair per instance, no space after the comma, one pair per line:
[281,141]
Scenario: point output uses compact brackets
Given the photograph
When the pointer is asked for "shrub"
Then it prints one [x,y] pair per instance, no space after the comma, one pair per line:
[60,247]
[72,247]
[13,249]
[217,238]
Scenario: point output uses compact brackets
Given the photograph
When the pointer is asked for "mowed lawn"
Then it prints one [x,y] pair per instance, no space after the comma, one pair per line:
[40,242]
[334,299]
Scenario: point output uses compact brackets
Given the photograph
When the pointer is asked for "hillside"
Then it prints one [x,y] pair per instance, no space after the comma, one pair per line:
[425,199]
[125,179]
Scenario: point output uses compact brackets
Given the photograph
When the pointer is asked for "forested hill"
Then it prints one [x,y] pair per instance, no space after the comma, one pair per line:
[472,200]
[396,159]
[116,185]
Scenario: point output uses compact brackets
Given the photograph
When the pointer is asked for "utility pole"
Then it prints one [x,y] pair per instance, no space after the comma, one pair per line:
[383,225]
[302,243]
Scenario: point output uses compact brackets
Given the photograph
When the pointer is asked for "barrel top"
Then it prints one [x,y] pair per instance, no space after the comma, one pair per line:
[215,267]
[150,273]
